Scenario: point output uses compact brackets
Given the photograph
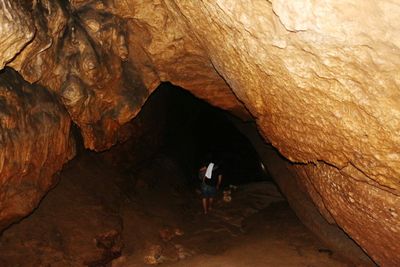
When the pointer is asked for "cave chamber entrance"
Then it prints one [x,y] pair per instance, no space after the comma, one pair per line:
[139,203]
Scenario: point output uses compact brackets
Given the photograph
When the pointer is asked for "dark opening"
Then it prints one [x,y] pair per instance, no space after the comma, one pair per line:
[196,129]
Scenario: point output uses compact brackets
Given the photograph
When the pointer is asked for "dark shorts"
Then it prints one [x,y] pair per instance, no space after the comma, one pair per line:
[208,191]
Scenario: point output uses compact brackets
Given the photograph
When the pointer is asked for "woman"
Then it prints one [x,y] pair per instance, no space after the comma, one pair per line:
[211,181]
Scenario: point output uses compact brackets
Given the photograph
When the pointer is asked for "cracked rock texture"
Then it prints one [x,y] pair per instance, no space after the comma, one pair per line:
[35,142]
[81,54]
[105,58]
[16,29]
[319,77]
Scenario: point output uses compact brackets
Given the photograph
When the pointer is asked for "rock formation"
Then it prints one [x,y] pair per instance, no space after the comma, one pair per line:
[16,29]
[320,79]
[35,143]
[104,60]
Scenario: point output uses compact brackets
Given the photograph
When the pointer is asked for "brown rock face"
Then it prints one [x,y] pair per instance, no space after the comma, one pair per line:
[35,142]
[320,78]
[174,52]
[81,54]
[16,29]
[72,226]
[369,214]
[320,221]
[104,59]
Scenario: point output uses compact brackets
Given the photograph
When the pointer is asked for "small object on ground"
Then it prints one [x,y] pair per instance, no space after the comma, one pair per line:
[227,196]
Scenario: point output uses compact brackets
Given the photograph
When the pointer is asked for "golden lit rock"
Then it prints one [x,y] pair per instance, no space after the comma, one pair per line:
[16,29]
[322,81]
[35,143]
[115,59]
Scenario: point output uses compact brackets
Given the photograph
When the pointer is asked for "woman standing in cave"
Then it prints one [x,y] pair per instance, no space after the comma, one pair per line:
[211,181]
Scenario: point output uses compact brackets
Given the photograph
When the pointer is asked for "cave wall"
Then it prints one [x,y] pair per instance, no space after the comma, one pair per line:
[104,58]
[16,29]
[35,142]
[298,196]
[81,53]
[320,78]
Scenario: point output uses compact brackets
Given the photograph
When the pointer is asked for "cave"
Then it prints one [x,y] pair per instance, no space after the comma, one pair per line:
[139,202]
[102,100]
[154,175]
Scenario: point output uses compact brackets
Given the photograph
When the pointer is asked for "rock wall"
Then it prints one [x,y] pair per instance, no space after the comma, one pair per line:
[319,77]
[286,176]
[81,53]
[105,58]
[16,29]
[34,141]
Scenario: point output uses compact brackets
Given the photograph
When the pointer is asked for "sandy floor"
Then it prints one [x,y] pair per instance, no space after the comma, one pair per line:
[256,229]
[279,241]
[99,217]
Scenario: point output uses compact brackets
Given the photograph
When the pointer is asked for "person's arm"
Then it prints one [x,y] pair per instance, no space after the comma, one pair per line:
[202,173]
[219,181]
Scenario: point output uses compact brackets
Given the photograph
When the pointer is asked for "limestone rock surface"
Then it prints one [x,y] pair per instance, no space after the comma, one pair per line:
[321,79]
[16,29]
[77,224]
[105,58]
[35,142]
[175,53]
[81,53]
[369,214]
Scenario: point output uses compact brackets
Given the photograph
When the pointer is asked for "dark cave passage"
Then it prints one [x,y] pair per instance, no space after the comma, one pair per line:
[187,129]
[196,129]
[139,202]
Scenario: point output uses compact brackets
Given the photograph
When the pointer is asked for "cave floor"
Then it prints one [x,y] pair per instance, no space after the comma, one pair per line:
[96,216]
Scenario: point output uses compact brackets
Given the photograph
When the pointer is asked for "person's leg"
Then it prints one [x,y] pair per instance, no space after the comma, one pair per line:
[204,191]
[210,203]
[205,206]
[212,195]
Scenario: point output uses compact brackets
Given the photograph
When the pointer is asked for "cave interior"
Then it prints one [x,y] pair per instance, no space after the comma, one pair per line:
[140,201]
[108,109]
